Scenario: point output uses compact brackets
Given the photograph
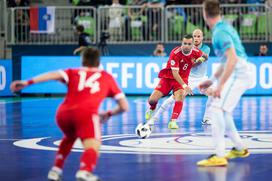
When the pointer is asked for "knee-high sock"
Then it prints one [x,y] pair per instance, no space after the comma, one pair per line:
[207,114]
[165,105]
[232,132]
[88,160]
[218,131]
[64,149]
[177,110]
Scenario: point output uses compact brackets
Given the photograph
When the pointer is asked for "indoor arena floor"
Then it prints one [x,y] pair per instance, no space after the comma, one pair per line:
[29,138]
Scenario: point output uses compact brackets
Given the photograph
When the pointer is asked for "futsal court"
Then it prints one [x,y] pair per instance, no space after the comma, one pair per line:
[29,138]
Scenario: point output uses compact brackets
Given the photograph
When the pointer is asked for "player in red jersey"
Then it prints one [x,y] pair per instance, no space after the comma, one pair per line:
[175,78]
[78,116]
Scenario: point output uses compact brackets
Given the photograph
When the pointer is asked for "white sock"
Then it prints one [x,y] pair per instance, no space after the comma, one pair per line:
[218,131]
[208,113]
[165,105]
[232,132]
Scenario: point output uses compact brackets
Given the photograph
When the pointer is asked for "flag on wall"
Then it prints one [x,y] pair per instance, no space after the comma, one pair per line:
[42,19]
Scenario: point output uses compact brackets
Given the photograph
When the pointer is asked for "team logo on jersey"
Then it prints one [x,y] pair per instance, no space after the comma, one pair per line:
[181,61]
[258,142]
[173,62]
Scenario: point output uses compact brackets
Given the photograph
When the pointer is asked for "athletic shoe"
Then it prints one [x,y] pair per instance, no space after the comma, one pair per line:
[234,153]
[213,161]
[55,174]
[148,114]
[173,125]
[86,176]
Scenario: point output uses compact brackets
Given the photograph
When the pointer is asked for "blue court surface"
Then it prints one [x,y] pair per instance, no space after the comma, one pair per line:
[29,139]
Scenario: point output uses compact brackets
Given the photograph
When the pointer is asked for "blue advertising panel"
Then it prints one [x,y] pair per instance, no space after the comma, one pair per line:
[135,75]
[5,77]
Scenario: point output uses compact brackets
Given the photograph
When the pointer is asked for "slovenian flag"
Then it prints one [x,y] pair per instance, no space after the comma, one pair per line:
[42,19]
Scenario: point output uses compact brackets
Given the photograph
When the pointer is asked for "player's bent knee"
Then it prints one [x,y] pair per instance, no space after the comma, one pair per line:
[154,98]
[91,143]
[179,97]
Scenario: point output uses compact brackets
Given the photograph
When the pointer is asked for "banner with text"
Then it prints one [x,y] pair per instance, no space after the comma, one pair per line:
[135,75]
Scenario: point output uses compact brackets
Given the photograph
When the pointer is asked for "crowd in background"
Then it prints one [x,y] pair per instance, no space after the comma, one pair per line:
[96,3]
[132,20]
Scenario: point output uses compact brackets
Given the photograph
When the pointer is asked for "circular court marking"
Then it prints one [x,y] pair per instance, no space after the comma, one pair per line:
[259,142]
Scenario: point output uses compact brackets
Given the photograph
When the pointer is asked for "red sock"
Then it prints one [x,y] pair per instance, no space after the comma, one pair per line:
[88,160]
[153,105]
[64,149]
[177,109]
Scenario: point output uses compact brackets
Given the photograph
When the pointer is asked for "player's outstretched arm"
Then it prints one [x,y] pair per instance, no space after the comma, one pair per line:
[116,93]
[20,84]
[122,106]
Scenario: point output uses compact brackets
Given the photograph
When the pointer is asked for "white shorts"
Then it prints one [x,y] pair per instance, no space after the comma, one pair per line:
[232,91]
[195,81]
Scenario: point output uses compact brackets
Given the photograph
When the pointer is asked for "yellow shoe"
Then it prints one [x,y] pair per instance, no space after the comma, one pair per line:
[234,153]
[213,161]
[173,125]
[148,114]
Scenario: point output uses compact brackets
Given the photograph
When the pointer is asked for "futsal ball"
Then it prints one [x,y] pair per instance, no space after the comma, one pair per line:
[143,130]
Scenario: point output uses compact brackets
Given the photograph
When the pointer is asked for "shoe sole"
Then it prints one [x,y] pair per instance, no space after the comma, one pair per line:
[51,179]
[219,165]
[224,165]
[173,128]
[81,179]
[54,179]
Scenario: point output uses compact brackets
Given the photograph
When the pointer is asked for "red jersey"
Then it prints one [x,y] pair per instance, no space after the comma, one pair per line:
[87,88]
[179,61]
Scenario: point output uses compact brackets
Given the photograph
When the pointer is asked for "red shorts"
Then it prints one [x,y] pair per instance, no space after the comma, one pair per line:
[166,85]
[78,123]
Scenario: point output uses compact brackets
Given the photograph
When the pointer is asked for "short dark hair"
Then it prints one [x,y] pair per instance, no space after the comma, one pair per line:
[90,57]
[80,28]
[212,8]
[264,44]
[188,36]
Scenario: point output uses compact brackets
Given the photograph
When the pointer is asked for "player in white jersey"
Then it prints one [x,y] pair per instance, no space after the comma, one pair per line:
[233,78]
[198,74]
